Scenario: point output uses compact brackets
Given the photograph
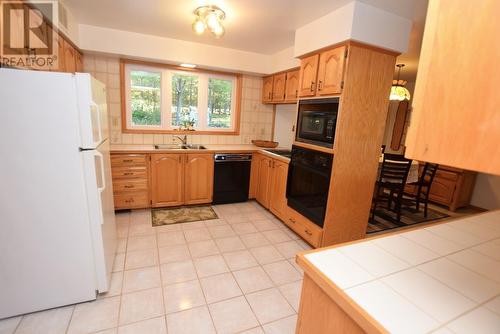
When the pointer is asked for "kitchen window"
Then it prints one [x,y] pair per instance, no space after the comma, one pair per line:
[170,99]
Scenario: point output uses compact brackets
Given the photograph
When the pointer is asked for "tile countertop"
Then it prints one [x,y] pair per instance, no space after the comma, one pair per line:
[442,278]
[209,149]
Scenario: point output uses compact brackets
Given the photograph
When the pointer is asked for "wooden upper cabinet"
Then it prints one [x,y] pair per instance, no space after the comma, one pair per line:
[199,173]
[279,82]
[308,75]
[79,62]
[278,202]
[60,54]
[267,89]
[292,86]
[455,118]
[330,71]
[167,180]
[69,58]
[264,179]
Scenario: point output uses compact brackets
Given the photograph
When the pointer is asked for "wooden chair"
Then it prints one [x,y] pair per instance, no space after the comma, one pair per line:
[424,186]
[391,183]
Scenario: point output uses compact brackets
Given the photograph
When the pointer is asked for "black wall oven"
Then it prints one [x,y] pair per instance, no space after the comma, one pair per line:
[316,121]
[308,183]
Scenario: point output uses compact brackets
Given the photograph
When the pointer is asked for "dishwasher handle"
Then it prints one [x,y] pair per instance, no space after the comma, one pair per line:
[218,158]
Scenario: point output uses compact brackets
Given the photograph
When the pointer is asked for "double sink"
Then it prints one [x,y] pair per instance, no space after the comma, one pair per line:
[180,147]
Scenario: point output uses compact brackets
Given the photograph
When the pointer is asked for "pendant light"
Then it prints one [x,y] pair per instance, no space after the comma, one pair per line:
[398,91]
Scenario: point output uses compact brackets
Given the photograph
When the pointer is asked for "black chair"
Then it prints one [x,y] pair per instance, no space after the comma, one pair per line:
[423,186]
[391,183]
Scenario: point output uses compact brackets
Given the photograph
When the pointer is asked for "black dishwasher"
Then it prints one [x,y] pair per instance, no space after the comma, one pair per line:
[231,178]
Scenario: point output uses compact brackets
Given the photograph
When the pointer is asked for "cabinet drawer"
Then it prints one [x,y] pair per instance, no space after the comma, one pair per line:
[444,174]
[131,200]
[130,185]
[442,190]
[303,227]
[129,172]
[118,160]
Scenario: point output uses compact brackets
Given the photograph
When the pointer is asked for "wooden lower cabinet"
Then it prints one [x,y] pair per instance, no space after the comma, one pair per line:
[264,181]
[268,182]
[167,180]
[130,181]
[176,179]
[278,202]
[451,187]
[199,178]
[309,231]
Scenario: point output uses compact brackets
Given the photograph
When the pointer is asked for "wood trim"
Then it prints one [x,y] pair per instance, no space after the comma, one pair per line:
[314,147]
[123,100]
[351,42]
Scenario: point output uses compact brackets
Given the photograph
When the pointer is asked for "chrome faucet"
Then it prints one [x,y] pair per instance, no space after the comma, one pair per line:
[182,139]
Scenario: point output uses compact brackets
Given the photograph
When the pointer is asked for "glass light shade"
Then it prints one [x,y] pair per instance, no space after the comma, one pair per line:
[199,26]
[219,31]
[399,93]
[213,21]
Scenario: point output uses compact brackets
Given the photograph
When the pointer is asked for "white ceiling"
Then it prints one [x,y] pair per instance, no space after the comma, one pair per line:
[263,26]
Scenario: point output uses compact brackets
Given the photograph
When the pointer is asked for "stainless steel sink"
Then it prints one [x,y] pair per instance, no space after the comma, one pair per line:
[193,147]
[179,147]
[168,147]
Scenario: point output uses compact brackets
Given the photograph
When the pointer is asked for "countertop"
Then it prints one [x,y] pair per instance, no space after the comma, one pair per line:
[442,278]
[243,148]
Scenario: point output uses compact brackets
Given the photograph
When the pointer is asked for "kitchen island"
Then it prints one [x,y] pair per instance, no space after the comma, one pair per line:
[441,278]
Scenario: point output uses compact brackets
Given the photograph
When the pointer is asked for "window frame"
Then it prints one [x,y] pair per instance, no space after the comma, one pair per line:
[166,71]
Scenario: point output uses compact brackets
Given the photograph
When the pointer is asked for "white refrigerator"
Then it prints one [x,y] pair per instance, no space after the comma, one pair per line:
[57,223]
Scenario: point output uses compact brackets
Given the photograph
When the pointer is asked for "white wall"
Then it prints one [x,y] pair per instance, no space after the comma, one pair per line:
[330,29]
[487,192]
[169,50]
[357,21]
[286,116]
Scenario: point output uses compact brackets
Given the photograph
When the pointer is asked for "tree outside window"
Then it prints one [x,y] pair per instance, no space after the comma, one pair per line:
[219,103]
[145,90]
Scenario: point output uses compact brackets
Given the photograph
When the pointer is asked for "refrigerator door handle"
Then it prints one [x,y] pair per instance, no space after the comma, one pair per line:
[98,120]
[102,172]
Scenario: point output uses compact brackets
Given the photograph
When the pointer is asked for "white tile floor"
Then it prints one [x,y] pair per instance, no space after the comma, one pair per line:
[236,274]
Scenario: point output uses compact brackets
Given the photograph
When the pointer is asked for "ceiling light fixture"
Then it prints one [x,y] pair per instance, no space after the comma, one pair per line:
[209,17]
[398,91]
[188,65]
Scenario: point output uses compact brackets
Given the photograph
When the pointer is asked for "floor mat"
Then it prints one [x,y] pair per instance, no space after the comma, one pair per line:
[166,216]
[386,219]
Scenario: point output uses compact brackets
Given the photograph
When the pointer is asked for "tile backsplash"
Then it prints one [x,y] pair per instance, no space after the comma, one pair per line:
[256,118]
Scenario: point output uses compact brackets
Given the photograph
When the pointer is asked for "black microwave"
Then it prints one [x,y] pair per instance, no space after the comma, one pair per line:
[316,121]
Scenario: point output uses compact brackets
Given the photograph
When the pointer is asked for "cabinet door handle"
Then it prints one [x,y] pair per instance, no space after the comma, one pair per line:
[292,221]
[320,84]
[308,233]
[296,93]
[128,160]
[128,173]
[129,186]
[312,86]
